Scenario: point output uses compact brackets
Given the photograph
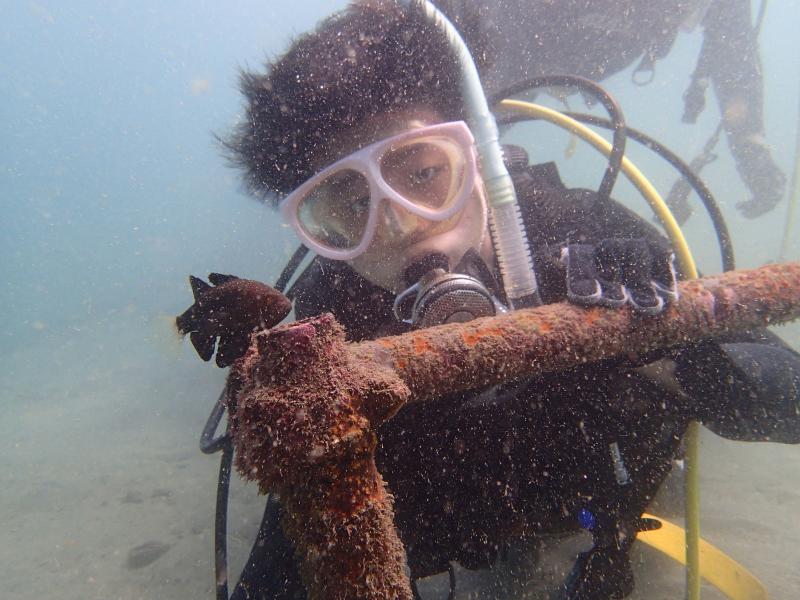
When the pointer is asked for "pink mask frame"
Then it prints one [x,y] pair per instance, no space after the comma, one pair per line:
[366,161]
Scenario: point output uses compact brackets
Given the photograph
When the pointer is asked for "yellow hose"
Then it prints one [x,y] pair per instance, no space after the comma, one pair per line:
[688,268]
[716,567]
[630,171]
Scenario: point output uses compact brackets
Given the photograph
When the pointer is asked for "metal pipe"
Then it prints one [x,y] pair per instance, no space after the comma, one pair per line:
[304,404]
[560,336]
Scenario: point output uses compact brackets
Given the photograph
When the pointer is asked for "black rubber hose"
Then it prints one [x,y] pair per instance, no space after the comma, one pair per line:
[221,520]
[291,267]
[706,197]
[595,90]
[208,443]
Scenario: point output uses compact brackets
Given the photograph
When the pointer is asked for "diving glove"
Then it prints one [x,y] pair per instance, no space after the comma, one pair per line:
[616,272]
[229,308]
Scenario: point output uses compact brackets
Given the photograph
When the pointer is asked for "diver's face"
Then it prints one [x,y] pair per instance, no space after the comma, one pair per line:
[400,237]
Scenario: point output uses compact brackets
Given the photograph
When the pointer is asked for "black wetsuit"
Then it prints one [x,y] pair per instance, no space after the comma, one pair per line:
[472,472]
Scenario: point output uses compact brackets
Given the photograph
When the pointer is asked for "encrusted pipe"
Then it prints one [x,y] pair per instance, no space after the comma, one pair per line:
[560,336]
[305,405]
[302,415]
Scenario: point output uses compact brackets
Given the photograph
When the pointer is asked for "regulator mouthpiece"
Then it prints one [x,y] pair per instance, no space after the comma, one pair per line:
[441,297]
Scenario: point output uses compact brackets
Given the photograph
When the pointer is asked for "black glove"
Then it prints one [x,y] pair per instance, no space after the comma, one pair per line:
[616,272]
[762,176]
[230,309]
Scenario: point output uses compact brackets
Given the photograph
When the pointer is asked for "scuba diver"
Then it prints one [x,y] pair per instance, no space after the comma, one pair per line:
[599,38]
[357,132]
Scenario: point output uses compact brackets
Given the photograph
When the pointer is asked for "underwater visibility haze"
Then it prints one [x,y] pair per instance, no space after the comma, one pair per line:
[115,189]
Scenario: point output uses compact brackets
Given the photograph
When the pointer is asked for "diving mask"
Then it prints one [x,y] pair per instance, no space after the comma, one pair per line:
[428,172]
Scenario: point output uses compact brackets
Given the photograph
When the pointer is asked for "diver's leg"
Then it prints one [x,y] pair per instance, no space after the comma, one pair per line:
[271,571]
[604,571]
[614,513]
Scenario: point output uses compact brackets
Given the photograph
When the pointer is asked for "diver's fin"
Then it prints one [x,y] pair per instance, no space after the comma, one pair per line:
[198,286]
[220,278]
[204,344]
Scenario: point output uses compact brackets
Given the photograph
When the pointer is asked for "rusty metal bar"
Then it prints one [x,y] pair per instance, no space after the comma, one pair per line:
[305,405]
[559,336]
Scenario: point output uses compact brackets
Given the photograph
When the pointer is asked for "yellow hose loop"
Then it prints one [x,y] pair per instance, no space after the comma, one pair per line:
[719,569]
[689,269]
[633,174]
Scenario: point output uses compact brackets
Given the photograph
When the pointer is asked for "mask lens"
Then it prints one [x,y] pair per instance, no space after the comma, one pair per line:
[335,212]
[428,172]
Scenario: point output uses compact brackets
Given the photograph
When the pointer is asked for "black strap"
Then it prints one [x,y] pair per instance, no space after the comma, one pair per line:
[291,267]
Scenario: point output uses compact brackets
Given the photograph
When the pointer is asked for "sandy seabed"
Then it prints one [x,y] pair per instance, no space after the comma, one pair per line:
[100,458]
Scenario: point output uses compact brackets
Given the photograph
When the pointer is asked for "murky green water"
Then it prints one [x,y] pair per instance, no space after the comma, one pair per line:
[113,191]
